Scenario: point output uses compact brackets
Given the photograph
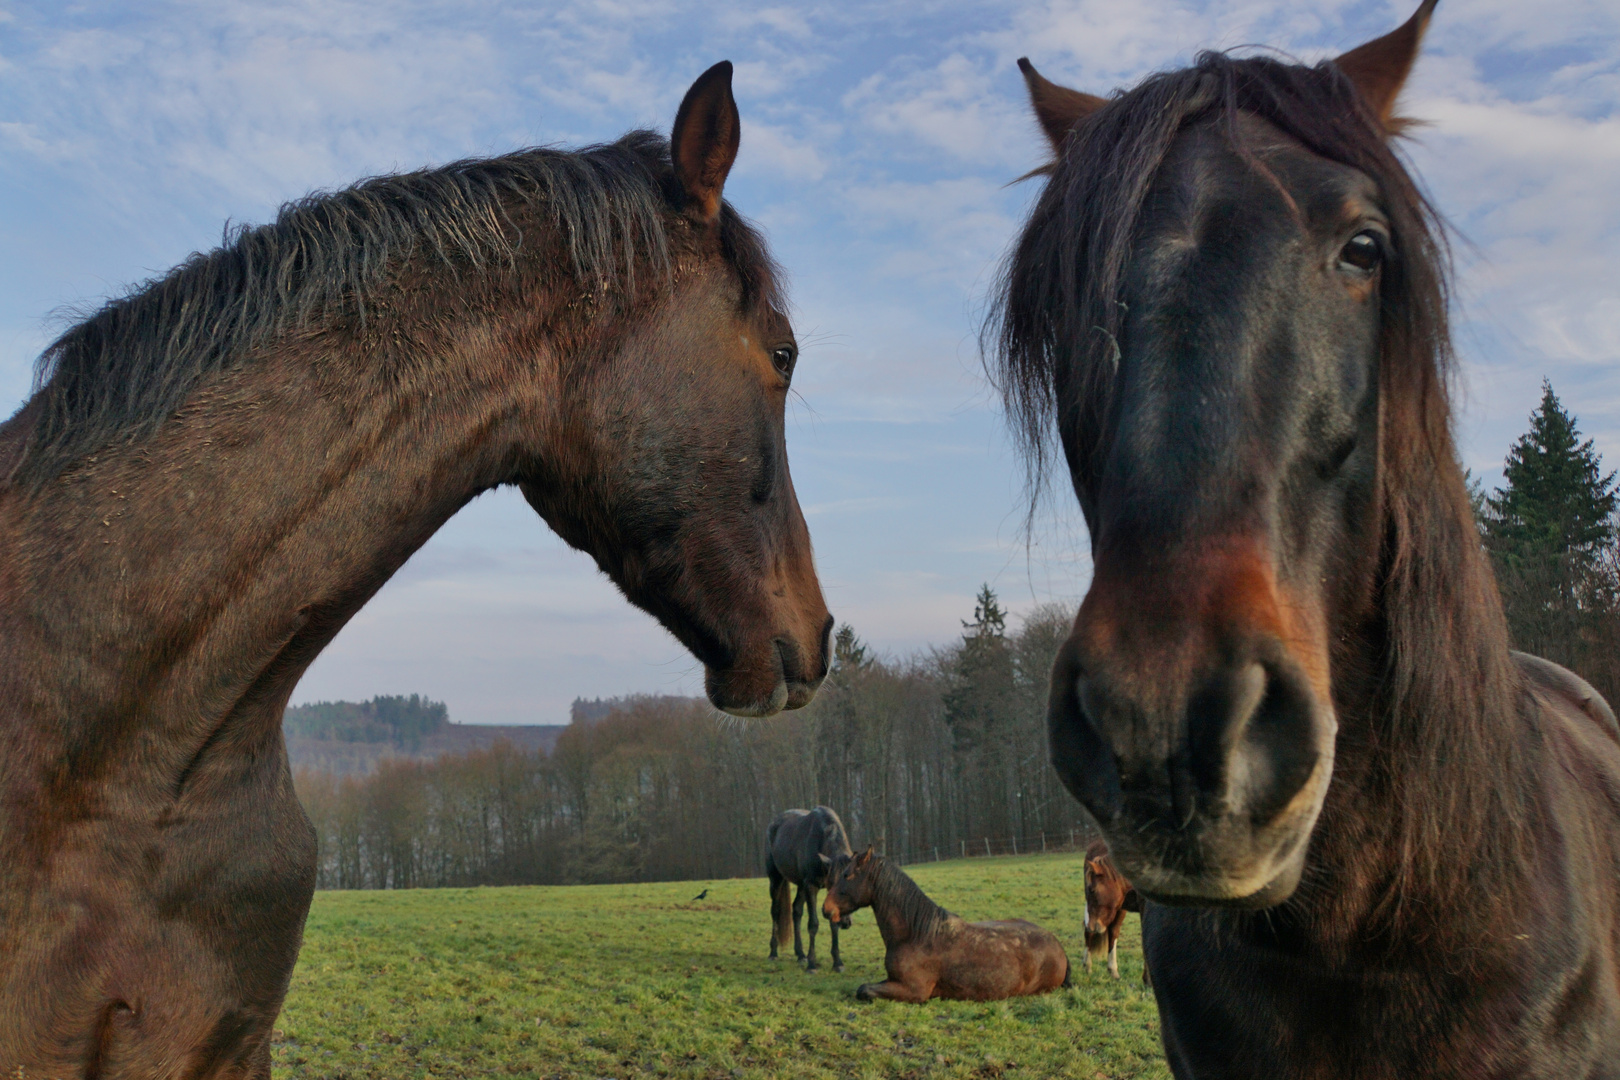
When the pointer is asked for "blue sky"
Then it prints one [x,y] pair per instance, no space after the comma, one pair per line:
[877,145]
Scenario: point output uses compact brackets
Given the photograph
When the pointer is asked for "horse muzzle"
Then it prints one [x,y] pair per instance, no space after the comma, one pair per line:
[1206,797]
[781,673]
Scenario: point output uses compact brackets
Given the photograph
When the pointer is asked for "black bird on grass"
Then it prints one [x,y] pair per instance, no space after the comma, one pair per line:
[704,895]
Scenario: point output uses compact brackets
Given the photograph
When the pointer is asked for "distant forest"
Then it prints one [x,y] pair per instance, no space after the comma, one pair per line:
[926,756]
[401,722]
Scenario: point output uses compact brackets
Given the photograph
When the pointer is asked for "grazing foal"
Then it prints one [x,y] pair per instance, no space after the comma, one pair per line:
[219,469]
[800,847]
[1375,842]
[930,953]
[1108,897]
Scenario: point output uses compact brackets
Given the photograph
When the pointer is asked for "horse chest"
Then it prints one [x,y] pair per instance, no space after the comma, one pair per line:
[1231,1010]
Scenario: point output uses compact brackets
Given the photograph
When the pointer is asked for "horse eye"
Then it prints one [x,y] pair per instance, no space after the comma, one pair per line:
[782,359]
[1363,253]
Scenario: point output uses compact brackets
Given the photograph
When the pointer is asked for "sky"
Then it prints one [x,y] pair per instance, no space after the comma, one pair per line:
[878,145]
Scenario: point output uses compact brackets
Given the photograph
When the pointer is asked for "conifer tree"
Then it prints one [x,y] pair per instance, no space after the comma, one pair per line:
[1549,530]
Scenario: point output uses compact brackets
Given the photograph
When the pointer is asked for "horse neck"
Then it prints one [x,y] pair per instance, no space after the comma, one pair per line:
[901,909]
[1422,838]
[187,580]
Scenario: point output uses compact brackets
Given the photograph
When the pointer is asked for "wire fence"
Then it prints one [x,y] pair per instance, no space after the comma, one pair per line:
[984,846]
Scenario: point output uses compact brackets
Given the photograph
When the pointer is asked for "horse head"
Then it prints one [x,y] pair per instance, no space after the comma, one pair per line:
[675,478]
[851,882]
[1206,299]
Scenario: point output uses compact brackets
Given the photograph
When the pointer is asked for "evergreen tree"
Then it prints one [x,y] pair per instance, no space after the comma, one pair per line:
[1549,529]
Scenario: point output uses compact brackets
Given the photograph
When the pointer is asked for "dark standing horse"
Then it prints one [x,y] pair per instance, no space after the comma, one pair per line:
[219,469]
[1108,898]
[930,953]
[1289,687]
[800,846]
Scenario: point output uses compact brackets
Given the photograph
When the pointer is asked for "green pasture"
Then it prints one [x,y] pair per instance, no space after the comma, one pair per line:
[640,981]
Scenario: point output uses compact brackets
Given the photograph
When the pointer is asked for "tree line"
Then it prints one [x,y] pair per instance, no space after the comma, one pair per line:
[1551,533]
[922,756]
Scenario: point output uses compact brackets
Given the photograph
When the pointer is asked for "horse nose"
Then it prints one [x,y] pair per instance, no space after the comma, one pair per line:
[1243,743]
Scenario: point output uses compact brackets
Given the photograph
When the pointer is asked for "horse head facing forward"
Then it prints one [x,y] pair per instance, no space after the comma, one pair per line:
[1289,686]
[1216,298]
[220,468]
[1108,898]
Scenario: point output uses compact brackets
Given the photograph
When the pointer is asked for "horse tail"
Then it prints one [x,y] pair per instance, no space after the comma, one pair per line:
[1068,972]
[781,904]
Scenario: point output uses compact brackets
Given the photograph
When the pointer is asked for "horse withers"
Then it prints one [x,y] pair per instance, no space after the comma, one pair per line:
[800,848]
[931,953]
[1108,898]
[1375,842]
[220,468]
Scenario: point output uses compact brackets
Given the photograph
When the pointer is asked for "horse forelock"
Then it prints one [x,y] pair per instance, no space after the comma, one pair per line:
[120,372]
[1444,736]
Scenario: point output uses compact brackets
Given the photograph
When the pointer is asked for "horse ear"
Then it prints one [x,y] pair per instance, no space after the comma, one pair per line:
[822,855]
[703,144]
[864,857]
[1380,67]
[1056,107]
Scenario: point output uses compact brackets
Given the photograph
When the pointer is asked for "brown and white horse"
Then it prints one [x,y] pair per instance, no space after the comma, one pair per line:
[1108,898]
[220,468]
[931,953]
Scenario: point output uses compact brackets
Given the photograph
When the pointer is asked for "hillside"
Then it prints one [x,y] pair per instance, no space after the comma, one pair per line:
[349,737]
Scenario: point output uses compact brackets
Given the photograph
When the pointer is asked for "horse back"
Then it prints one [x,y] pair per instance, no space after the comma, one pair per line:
[999,958]
[797,838]
[1568,694]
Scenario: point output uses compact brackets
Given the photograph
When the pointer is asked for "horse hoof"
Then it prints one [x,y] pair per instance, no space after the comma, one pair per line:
[838,967]
[863,992]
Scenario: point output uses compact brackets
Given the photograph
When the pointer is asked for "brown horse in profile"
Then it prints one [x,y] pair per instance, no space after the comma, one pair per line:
[220,468]
[1108,898]
[930,953]
[800,848]
[1376,842]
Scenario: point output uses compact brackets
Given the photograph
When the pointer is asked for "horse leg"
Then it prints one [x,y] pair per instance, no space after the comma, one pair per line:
[1113,950]
[779,907]
[893,991]
[815,923]
[838,961]
[798,913]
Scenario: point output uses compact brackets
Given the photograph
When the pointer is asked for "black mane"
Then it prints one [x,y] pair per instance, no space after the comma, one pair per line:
[119,374]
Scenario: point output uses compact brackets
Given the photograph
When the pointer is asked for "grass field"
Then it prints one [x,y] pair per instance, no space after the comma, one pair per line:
[639,981]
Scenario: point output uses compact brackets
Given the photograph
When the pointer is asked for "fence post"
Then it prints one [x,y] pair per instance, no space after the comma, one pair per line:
[936,853]
[1015,845]
[1071,838]
[987,845]
[1043,842]
[964,849]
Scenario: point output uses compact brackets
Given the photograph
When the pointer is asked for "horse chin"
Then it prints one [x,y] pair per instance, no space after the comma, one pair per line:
[747,693]
[844,923]
[763,688]
[1175,890]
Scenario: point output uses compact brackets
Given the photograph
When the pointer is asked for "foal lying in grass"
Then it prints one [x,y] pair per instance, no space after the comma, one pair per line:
[932,953]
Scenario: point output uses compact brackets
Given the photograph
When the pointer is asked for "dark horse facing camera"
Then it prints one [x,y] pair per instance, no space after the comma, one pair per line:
[221,467]
[1289,687]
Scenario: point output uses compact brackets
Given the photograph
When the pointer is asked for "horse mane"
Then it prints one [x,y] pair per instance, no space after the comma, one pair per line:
[1445,743]
[834,837]
[895,890]
[118,374]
